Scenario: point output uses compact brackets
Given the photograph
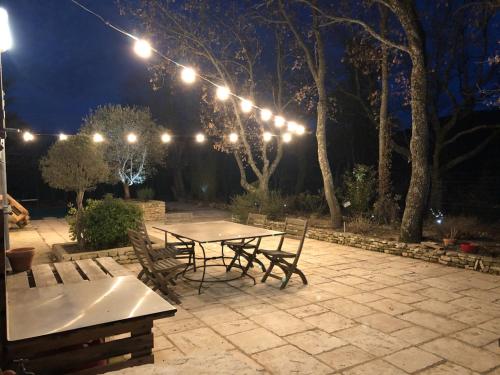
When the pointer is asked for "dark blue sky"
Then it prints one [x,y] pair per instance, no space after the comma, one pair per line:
[65,61]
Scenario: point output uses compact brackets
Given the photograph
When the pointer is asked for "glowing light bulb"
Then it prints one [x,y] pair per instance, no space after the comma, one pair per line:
[266,114]
[233,137]
[222,93]
[131,138]
[267,136]
[287,137]
[5,34]
[300,129]
[246,105]
[142,48]
[292,126]
[166,138]
[279,121]
[188,75]
[63,137]
[97,138]
[28,137]
[200,137]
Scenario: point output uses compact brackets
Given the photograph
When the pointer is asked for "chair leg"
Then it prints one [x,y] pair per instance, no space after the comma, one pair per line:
[287,279]
[231,264]
[258,261]
[268,272]
[194,260]
[302,276]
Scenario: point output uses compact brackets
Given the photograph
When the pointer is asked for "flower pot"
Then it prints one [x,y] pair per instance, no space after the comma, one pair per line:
[468,247]
[449,241]
[21,258]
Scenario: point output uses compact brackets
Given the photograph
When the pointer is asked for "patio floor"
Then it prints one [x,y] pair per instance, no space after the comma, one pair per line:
[362,313]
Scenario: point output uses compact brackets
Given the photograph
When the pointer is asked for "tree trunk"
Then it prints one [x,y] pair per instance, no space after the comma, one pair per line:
[79,199]
[126,190]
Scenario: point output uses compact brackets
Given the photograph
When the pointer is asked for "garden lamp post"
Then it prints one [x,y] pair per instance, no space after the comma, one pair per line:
[5,44]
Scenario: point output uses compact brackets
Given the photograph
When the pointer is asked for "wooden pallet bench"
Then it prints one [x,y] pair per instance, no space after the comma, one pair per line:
[73,317]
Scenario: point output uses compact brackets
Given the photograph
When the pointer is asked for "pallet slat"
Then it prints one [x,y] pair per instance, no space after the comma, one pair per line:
[113,267]
[92,270]
[43,275]
[68,272]
[17,281]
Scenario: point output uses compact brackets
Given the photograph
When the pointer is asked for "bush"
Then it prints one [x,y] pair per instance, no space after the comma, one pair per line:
[103,224]
[359,224]
[145,194]
[464,227]
[360,188]
[310,203]
[273,205]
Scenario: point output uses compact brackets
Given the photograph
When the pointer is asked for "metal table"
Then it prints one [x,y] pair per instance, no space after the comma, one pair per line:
[213,232]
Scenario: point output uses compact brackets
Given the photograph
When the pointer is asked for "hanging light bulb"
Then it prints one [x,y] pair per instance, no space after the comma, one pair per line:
[63,137]
[246,105]
[233,137]
[200,137]
[222,93]
[266,114]
[279,121]
[97,138]
[142,48]
[28,137]
[131,138]
[300,129]
[188,75]
[287,137]
[267,136]
[166,138]
[292,126]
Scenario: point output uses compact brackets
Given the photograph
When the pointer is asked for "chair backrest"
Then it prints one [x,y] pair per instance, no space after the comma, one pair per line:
[296,229]
[141,245]
[257,220]
[179,217]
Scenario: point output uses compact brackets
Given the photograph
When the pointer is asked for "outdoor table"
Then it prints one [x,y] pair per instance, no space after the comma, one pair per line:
[213,232]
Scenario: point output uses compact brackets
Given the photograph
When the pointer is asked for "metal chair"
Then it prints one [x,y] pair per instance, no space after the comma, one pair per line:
[185,248]
[287,261]
[160,272]
[247,248]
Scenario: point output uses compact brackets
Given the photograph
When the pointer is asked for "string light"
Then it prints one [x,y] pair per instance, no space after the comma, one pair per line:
[188,75]
[287,137]
[265,114]
[233,137]
[200,137]
[300,130]
[246,105]
[143,49]
[267,136]
[63,137]
[166,138]
[279,121]
[97,138]
[292,126]
[222,93]
[28,137]
[131,138]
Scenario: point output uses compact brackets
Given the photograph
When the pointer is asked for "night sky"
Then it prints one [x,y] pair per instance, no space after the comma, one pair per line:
[65,61]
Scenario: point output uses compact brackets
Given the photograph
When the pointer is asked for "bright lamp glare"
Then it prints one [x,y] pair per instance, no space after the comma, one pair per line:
[5,35]
[287,137]
[188,75]
[222,93]
[233,137]
[300,129]
[142,48]
[267,136]
[266,114]
[28,137]
[292,126]
[97,138]
[166,138]
[131,138]
[246,105]
[63,137]
[279,121]
[200,137]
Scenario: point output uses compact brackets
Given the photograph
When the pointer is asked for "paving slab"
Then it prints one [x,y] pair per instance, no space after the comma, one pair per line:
[413,359]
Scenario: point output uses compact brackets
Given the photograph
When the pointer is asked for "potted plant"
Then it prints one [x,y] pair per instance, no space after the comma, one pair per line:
[451,237]
[21,258]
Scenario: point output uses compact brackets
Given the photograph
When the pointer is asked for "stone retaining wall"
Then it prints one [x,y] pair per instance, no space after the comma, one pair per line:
[430,252]
[152,210]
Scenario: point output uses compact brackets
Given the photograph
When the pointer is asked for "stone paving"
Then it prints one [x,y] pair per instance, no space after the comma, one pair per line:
[362,313]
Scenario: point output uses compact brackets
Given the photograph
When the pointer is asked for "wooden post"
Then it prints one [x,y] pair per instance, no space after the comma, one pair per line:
[3,292]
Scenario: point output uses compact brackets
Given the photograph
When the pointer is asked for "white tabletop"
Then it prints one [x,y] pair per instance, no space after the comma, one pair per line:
[64,307]
[216,231]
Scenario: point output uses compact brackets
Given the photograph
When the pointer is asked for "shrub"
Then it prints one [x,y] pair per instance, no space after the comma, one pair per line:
[103,224]
[360,224]
[273,205]
[310,203]
[145,194]
[360,187]
[463,227]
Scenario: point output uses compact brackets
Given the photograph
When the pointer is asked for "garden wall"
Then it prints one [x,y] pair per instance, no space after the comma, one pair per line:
[153,210]
[427,251]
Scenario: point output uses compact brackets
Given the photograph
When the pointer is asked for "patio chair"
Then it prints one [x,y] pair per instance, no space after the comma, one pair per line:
[161,271]
[247,248]
[287,261]
[185,248]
